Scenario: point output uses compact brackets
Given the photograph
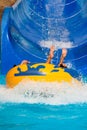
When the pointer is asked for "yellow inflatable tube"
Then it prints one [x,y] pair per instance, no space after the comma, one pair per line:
[37,72]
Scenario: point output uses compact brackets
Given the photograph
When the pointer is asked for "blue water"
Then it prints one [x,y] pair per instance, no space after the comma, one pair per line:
[43,117]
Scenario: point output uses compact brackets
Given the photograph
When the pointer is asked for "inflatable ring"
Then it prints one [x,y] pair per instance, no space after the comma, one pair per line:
[42,72]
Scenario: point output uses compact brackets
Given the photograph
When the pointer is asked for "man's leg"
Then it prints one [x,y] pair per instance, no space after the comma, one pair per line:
[64,53]
[51,54]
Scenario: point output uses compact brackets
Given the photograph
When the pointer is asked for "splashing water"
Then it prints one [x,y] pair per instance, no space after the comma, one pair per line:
[57,44]
[42,92]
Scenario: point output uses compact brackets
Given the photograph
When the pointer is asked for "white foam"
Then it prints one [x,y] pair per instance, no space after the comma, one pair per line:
[57,44]
[42,92]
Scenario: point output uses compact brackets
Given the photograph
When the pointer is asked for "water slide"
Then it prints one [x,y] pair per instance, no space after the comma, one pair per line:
[30,27]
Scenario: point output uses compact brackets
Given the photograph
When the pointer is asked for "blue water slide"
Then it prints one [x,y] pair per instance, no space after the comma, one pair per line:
[30,27]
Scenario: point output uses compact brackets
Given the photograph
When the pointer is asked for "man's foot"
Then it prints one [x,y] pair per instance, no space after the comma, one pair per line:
[25,62]
[62,65]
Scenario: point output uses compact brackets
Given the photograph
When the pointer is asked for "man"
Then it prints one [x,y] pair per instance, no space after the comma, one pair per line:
[51,55]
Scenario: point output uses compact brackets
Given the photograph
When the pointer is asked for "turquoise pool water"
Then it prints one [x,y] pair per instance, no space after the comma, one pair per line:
[43,106]
[42,117]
